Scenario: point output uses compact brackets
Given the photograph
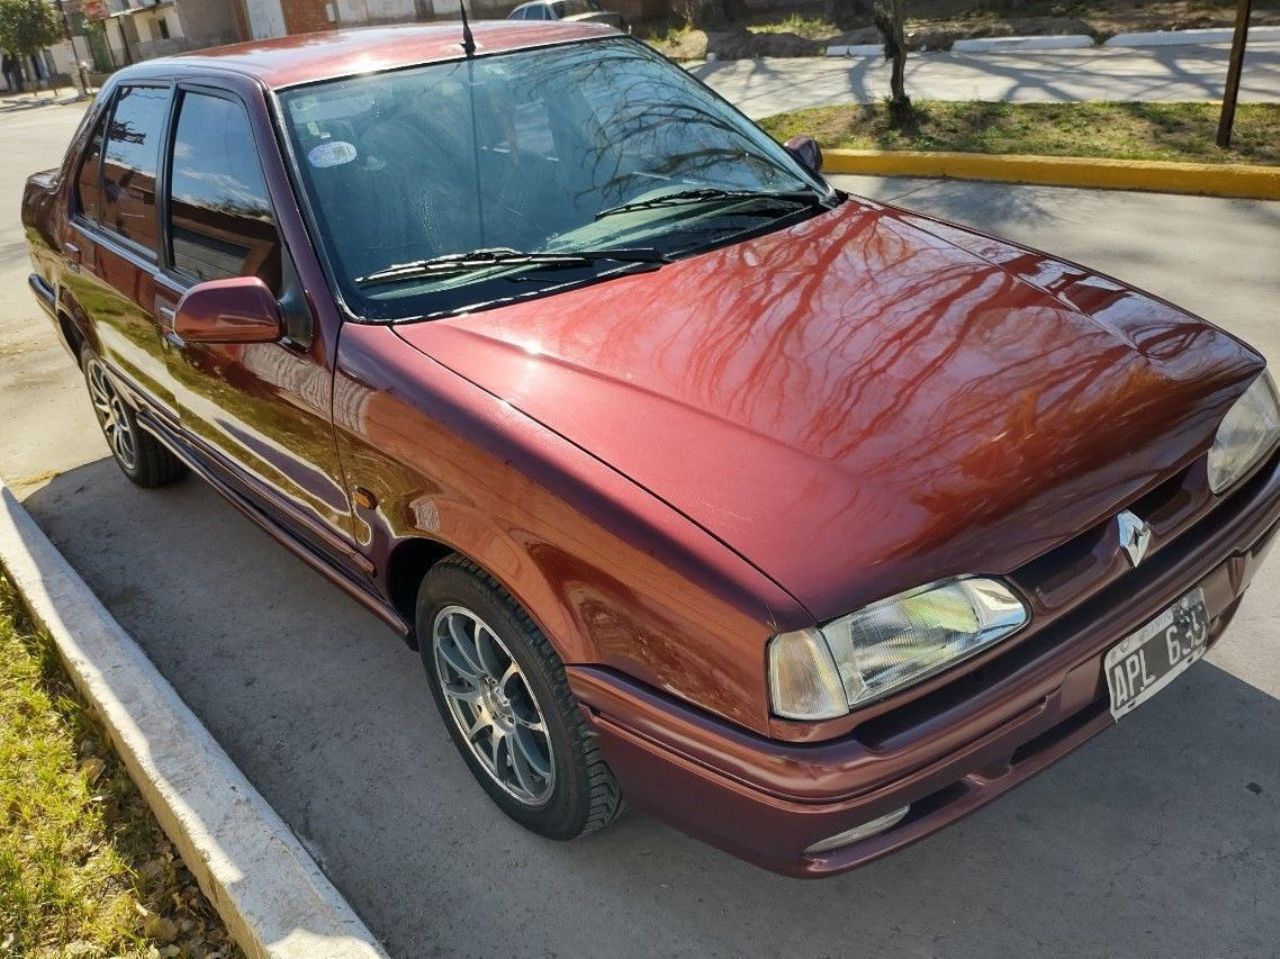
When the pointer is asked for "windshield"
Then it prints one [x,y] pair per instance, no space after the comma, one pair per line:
[585,147]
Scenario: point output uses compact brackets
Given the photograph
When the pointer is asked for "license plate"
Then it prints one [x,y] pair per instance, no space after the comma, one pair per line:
[1143,663]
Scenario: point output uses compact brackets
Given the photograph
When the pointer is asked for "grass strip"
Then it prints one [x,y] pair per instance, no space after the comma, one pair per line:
[1125,131]
[85,870]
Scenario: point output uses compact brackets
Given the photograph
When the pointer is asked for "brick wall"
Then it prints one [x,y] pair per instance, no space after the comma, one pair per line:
[307,16]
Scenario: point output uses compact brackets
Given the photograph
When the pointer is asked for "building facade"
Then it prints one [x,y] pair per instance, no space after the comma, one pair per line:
[273,18]
[142,29]
[107,34]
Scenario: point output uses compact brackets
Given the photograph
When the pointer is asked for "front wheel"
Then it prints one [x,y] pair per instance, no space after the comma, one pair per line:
[505,700]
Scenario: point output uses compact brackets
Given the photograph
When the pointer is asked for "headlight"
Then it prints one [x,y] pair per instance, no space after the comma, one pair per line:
[820,673]
[1247,432]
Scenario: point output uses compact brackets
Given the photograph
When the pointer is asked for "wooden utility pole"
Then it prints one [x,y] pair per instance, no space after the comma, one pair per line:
[1232,92]
[71,39]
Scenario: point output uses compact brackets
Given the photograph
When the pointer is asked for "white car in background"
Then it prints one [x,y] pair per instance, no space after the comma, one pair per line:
[588,11]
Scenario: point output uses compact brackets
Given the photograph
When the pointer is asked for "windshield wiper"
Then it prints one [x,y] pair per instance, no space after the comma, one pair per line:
[704,193]
[452,263]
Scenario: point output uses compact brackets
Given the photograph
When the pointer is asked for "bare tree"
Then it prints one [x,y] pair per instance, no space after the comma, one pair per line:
[890,18]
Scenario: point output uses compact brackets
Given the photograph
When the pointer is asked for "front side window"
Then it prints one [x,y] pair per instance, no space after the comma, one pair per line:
[581,148]
[220,215]
[131,156]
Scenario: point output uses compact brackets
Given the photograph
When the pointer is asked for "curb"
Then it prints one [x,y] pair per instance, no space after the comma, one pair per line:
[270,893]
[856,50]
[1070,41]
[1077,41]
[1172,38]
[1208,179]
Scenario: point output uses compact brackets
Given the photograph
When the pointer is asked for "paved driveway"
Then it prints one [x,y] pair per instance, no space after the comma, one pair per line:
[771,84]
[1161,838]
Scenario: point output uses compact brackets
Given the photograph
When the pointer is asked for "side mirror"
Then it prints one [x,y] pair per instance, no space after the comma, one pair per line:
[237,310]
[806,150]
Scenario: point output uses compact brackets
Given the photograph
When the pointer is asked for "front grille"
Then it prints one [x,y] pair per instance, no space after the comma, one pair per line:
[1071,589]
[1068,574]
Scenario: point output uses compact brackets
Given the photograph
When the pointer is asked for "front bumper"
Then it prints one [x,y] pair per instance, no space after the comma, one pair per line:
[768,801]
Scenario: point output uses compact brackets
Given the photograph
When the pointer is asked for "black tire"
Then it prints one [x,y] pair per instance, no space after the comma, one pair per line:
[140,456]
[583,795]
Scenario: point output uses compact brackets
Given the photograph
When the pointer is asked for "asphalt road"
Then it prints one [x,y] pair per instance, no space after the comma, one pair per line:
[1161,838]
[773,84]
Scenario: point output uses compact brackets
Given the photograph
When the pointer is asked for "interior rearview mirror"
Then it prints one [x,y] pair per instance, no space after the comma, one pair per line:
[241,309]
[806,150]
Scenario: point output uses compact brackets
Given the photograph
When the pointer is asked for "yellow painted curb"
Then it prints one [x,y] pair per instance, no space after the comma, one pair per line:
[1209,179]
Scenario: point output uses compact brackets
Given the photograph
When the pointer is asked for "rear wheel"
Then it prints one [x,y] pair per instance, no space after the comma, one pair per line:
[505,700]
[140,456]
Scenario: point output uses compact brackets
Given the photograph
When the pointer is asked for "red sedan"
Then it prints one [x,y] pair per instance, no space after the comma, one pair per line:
[805,523]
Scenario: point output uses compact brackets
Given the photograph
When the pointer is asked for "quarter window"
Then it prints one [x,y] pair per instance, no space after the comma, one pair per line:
[220,217]
[130,161]
[89,177]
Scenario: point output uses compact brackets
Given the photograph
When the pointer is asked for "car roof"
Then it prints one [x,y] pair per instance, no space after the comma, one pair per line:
[286,61]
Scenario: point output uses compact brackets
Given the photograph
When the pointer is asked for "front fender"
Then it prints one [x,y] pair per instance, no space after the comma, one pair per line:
[612,575]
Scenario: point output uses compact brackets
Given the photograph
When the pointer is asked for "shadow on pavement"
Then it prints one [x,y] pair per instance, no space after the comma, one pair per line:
[1157,839]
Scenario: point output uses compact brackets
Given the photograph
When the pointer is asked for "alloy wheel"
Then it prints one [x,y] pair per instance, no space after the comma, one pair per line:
[493,706]
[112,415]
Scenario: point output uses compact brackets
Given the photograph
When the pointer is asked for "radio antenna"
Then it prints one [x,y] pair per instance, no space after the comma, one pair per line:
[468,41]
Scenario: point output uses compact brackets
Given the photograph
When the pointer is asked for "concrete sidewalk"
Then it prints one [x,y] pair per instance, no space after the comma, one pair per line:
[17,102]
[771,85]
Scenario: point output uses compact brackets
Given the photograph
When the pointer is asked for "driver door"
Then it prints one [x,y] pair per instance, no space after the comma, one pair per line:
[258,413]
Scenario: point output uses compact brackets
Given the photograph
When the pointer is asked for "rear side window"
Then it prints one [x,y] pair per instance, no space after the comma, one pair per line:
[89,176]
[220,216]
[131,156]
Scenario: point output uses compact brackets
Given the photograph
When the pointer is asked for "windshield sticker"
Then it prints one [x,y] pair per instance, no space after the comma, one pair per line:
[333,153]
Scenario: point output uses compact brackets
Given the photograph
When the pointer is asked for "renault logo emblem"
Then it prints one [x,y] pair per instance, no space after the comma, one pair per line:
[1135,536]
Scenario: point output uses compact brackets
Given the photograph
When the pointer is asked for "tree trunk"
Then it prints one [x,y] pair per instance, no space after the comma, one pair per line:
[890,19]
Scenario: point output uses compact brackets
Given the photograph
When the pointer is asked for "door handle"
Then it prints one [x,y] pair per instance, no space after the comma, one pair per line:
[73,256]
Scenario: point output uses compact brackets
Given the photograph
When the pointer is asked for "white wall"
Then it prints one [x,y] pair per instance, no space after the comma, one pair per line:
[356,12]
[266,18]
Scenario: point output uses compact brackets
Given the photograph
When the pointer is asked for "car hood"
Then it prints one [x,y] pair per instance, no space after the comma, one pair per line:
[867,401]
